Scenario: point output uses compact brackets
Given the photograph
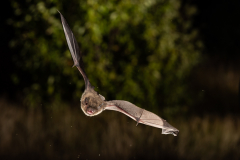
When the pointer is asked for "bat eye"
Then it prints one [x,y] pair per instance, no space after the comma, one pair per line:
[86,100]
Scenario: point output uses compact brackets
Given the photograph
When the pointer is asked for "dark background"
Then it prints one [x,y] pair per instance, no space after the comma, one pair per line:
[50,128]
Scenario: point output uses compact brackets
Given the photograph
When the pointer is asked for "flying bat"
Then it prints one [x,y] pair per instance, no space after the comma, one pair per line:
[92,103]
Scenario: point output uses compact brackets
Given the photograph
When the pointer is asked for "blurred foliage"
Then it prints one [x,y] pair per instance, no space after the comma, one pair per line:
[140,51]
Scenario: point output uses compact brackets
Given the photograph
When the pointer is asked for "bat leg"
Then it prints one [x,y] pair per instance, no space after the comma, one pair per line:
[138,119]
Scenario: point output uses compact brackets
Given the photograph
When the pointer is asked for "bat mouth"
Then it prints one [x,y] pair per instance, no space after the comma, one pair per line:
[90,112]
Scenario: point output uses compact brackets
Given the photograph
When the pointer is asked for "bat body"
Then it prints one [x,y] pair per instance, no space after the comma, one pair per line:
[93,103]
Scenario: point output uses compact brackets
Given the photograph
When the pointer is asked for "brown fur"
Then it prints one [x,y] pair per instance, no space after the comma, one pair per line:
[92,101]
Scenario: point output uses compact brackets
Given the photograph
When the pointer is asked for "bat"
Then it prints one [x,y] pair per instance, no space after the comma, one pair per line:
[92,103]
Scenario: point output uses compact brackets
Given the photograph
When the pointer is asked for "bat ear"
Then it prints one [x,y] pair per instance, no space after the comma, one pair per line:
[103,98]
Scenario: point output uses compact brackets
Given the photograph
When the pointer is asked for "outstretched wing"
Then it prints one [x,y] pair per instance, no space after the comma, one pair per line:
[141,116]
[74,50]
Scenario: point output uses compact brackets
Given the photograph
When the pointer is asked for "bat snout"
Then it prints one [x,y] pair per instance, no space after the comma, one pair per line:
[90,111]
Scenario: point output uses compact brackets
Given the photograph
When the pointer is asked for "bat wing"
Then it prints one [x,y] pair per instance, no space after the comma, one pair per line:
[74,50]
[141,116]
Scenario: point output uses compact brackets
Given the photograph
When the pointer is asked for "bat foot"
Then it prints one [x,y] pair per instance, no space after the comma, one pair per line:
[167,131]
[137,119]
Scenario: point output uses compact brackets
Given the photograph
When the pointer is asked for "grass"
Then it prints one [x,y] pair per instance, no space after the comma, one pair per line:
[64,132]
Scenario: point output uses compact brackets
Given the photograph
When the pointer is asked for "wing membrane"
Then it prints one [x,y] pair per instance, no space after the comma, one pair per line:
[141,116]
[74,50]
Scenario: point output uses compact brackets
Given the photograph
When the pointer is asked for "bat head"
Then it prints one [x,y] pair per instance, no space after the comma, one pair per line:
[92,103]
